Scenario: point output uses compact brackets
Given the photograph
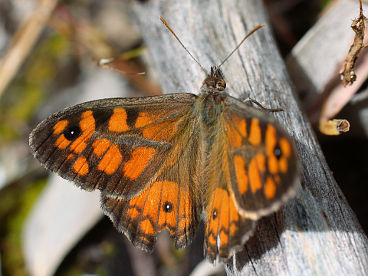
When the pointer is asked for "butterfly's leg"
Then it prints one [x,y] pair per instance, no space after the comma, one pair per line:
[249,100]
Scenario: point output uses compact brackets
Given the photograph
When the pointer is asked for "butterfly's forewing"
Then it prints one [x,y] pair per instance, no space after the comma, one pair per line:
[136,151]
[262,161]
[115,145]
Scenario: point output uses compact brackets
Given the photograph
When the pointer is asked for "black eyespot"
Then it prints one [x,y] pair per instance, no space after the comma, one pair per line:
[277,151]
[72,132]
[167,207]
[214,214]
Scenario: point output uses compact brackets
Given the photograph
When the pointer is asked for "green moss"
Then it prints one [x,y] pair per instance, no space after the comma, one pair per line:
[108,248]
[324,3]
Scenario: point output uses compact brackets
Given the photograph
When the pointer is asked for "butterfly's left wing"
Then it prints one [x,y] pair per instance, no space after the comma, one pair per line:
[262,161]
[252,170]
[225,229]
[140,152]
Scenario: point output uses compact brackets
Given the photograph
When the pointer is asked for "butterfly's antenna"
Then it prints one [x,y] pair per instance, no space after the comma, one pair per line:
[241,42]
[177,38]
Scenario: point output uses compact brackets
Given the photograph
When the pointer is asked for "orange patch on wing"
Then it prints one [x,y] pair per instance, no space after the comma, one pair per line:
[133,213]
[240,124]
[136,202]
[271,139]
[111,160]
[224,223]
[242,127]
[62,142]
[78,147]
[147,228]
[241,175]
[255,135]
[80,166]
[211,240]
[169,196]
[169,193]
[285,147]
[140,158]
[215,206]
[254,176]
[144,118]
[153,203]
[269,188]
[100,146]
[226,214]
[87,126]
[235,139]
[283,164]
[60,126]
[70,156]
[261,162]
[233,229]
[273,164]
[236,131]
[118,121]
[163,131]
[218,229]
[224,239]
[151,206]
[185,212]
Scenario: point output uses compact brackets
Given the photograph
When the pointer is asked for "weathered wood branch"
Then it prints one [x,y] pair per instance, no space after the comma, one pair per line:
[315,233]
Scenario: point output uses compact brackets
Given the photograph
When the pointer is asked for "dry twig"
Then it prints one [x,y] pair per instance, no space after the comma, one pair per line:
[347,72]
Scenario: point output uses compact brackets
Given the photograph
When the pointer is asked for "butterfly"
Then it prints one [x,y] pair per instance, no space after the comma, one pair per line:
[166,162]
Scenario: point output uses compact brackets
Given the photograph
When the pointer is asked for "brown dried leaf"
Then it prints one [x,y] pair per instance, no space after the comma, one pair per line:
[131,71]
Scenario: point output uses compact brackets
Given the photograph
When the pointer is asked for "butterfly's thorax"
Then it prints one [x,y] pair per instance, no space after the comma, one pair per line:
[212,97]
[212,107]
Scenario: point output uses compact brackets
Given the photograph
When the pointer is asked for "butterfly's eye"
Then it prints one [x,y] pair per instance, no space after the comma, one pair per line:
[220,84]
[72,132]
[277,151]
[167,207]
[214,214]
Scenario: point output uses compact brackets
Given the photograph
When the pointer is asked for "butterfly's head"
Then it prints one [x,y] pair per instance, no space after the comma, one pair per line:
[214,81]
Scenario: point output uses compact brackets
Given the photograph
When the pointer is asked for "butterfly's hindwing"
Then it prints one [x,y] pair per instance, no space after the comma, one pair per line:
[226,231]
[164,205]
